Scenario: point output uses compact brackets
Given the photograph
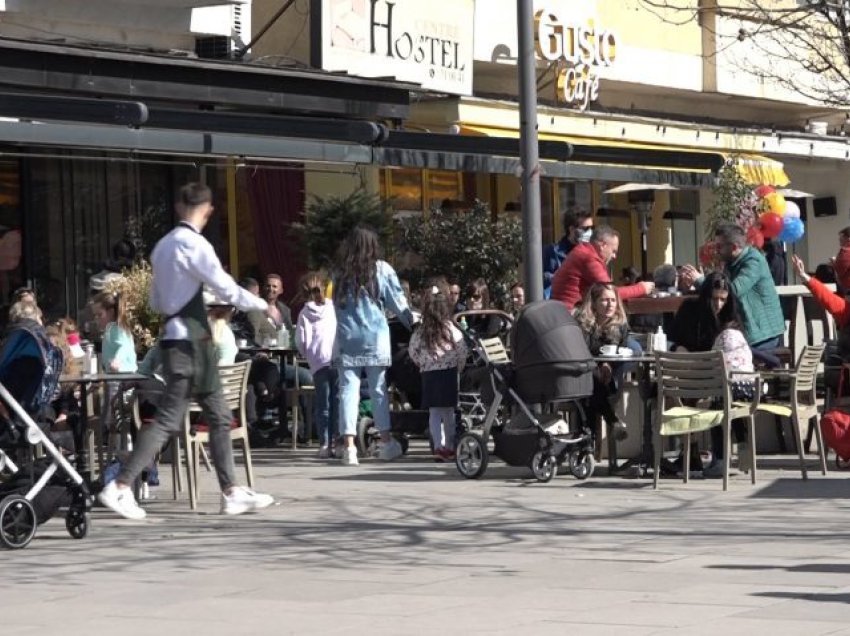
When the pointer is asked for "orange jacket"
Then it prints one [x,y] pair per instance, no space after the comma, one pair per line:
[833,303]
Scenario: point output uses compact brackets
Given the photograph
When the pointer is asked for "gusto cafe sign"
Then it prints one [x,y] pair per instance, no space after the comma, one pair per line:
[579,49]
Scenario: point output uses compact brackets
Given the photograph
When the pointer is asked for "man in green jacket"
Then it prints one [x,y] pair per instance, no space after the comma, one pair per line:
[752,285]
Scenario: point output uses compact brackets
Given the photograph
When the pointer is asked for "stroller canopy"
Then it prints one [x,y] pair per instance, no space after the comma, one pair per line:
[550,356]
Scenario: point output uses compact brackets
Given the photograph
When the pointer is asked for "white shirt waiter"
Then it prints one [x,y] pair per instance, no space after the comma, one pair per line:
[181,261]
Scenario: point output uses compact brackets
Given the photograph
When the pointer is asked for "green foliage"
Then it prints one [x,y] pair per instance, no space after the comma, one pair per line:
[328,220]
[734,200]
[466,246]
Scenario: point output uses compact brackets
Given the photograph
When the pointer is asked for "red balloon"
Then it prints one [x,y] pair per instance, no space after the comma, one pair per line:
[771,224]
[764,190]
[755,237]
[707,252]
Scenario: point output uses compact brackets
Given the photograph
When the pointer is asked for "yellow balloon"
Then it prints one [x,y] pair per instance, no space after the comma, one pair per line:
[775,202]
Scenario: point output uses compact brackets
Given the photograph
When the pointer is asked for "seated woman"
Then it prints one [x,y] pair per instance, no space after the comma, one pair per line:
[478,297]
[695,326]
[603,320]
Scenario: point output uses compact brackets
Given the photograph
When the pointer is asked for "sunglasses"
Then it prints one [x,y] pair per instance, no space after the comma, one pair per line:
[315,290]
[475,298]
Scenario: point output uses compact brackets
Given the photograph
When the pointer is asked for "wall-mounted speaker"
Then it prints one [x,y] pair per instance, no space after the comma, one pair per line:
[825,206]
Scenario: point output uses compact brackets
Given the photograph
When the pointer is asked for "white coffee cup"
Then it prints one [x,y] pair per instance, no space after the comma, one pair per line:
[608,350]
[241,343]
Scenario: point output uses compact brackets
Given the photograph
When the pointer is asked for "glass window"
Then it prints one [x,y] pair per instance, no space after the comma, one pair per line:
[443,185]
[11,245]
[682,217]
[403,187]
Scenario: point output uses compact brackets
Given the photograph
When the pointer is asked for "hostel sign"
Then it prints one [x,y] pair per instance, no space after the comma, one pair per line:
[408,40]
[580,50]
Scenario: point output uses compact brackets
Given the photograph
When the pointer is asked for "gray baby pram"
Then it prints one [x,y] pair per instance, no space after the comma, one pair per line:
[551,365]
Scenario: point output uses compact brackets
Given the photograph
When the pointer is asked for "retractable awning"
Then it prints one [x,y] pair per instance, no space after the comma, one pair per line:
[681,166]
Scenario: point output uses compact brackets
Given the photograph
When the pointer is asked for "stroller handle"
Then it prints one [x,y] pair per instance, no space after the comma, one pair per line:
[506,318]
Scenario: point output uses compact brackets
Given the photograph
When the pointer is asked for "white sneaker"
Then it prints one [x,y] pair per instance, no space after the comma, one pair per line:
[390,451]
[121,501]
[349,456]
[244,500]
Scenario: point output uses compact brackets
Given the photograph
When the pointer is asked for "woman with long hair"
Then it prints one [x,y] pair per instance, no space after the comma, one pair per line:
[602,318]
[697,323]
[363,286]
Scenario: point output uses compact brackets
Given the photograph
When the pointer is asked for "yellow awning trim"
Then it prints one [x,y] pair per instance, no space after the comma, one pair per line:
[755,169]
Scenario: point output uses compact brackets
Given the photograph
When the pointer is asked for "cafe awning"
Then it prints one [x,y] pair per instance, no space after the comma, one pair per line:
[682,160]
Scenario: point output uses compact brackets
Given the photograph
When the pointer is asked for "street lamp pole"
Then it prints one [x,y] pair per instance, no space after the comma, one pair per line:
[532,234]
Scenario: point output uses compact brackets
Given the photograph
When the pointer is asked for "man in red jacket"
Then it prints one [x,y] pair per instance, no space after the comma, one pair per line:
[587,264]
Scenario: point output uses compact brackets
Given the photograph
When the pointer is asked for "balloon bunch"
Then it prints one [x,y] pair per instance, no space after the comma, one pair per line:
[778,218]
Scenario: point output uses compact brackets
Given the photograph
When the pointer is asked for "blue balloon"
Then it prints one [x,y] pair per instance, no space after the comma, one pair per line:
[792,229]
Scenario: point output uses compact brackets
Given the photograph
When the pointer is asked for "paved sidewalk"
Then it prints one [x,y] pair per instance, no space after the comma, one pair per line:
[409,547]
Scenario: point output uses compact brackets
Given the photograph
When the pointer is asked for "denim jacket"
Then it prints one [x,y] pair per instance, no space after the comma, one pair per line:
[362,332]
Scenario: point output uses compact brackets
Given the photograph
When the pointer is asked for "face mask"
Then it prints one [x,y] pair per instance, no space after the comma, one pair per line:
[583,236]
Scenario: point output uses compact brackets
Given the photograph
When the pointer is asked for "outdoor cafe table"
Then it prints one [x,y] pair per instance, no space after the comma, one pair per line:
[84,381]
[645,361]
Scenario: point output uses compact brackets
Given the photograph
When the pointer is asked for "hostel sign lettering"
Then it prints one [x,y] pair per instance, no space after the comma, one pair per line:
[404,39]
[580,49]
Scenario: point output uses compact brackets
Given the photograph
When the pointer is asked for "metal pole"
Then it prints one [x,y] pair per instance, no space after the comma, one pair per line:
[532,234]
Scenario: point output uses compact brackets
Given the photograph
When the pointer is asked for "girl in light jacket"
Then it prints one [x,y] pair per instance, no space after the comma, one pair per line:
[314,336]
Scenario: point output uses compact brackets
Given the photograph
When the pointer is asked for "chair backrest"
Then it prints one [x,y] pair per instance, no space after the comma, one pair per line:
[692,375]
[234,383]
[807,366]
[494,350]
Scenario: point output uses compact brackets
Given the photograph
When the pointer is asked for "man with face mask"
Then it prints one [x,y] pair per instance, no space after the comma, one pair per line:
[587,264]
[752,285]
[578,226]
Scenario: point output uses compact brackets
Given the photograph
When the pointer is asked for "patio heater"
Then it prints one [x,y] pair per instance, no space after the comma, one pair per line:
[642,197]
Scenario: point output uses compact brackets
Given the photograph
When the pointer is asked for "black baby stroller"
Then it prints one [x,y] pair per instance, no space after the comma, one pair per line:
[31,494]
[551,364]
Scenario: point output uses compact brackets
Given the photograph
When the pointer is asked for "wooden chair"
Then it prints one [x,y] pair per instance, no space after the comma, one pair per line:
[234,384]
[702,378]
[802,405]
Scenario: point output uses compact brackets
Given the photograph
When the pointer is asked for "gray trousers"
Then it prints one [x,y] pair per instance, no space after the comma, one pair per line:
[177,368]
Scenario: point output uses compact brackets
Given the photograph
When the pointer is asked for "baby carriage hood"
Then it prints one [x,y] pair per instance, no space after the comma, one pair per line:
[30,365]
[550,356]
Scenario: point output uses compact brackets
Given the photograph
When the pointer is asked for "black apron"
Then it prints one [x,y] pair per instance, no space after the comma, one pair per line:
[205,377]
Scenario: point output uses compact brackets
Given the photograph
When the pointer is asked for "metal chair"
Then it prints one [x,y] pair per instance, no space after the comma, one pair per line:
[802,405]
[234,384]
[701,378]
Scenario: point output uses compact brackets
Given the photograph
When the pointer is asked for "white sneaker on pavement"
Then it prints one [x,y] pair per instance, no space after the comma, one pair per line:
[349,456]
[121,501]
[390,451]
[244,500]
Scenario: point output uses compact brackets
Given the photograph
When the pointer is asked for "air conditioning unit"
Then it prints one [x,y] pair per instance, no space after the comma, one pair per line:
[221,30]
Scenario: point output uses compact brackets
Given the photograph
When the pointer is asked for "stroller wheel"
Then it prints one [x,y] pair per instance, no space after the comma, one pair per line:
[17,522]
[367,437]
[77,522]
[841,463]
[544,466]
[582,464]
[471,456]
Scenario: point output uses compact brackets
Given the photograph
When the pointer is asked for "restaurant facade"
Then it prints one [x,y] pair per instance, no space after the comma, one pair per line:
[105,112]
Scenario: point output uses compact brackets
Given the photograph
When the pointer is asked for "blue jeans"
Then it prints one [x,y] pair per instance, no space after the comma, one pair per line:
[349,400]
[325,404]
[767,345]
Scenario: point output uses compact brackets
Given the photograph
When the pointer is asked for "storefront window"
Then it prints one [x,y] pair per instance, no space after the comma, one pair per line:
[11,261]
[403,188]
[79,207]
